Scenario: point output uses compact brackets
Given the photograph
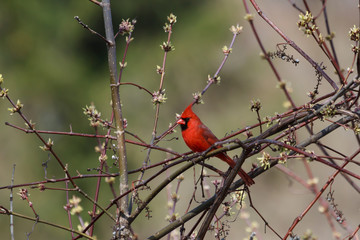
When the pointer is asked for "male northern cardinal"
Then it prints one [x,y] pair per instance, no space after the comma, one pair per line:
[198,138]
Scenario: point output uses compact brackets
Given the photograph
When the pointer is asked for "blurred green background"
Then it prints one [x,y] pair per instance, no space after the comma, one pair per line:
[55,67]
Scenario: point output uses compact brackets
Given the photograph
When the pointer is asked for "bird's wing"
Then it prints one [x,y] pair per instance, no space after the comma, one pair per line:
[209,136]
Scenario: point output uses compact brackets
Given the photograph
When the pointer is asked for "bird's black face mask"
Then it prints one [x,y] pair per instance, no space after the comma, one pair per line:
[184,126]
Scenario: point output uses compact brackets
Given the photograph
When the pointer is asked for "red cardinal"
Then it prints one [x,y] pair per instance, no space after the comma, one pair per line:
[198,138]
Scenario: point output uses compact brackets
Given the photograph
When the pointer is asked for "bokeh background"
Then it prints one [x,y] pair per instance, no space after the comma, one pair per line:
[55,67]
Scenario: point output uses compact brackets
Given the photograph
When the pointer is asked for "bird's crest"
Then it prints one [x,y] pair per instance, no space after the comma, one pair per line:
[188,112]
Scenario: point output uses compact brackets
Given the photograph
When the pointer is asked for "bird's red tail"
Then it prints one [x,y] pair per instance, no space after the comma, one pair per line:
[244,176]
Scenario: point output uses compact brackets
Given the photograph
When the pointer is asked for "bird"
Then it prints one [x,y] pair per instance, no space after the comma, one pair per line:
[199,138]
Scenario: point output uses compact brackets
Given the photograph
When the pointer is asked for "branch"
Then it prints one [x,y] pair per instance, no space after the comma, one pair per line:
[293,44]
[298,219]
[221,196]
[5,211]
[255,141]
[93,136]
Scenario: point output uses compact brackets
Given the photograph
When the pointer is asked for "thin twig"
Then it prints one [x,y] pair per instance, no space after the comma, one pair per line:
[5,211]
[11,204]
[92,31]
[136,85]
[47,146]
[331,179]
[96,2]
[92,136]
[67,208]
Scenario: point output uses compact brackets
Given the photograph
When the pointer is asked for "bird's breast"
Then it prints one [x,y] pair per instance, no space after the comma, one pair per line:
[195,140]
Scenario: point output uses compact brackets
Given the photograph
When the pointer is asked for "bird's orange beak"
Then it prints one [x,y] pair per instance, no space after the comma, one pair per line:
[181,121]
